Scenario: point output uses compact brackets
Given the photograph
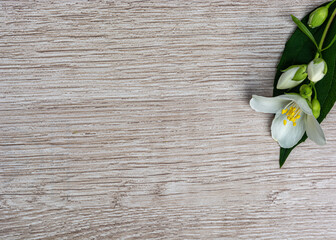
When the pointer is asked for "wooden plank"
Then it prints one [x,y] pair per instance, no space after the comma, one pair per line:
[130,120]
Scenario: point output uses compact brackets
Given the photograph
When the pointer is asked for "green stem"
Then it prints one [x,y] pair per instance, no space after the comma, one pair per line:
[327,28]
[315,93]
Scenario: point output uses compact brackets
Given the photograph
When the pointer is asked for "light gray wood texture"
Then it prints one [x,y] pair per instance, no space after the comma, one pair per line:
[130,120]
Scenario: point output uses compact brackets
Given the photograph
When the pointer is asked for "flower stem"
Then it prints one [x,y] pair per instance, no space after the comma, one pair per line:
[315,93]
[312,85]
[327,28]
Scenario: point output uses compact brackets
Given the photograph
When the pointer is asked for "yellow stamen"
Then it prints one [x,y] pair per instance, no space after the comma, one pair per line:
[292,112]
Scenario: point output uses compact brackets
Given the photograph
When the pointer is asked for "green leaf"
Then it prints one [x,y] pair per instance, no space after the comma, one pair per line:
[305,30]
[301,50]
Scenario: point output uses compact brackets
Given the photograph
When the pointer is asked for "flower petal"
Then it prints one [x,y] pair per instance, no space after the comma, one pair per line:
[300,101]
[314,130]
[267,104]
[287,135]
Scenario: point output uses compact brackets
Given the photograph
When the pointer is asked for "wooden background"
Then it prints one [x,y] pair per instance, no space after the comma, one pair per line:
[130,120]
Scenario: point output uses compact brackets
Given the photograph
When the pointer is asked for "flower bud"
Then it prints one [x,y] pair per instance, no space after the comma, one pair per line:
[318,17]
[305,91]
[316,108]
[292,76]
[317,69]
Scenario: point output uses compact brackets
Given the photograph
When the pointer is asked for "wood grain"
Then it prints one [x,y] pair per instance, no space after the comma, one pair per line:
[130,120]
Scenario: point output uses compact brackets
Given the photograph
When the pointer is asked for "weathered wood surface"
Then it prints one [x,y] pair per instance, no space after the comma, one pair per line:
[130,120]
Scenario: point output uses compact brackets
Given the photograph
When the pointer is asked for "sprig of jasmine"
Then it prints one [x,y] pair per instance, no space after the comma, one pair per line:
[317,68]
[316,19]
[296,102]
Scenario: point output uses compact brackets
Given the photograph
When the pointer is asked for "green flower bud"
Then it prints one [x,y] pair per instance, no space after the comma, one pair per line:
[317,69]
[292,76]
[305,91]
[316,108]
[318,17]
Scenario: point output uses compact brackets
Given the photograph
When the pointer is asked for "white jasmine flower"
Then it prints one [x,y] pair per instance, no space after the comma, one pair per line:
[293,117]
